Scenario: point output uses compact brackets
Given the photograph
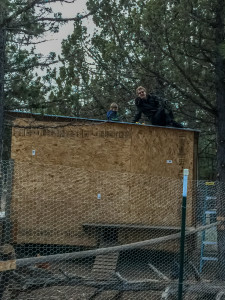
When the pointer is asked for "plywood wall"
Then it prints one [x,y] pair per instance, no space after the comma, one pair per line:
[105,146]
[61,168]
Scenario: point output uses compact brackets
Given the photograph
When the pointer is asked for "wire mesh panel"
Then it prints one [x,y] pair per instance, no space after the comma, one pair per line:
[69,233]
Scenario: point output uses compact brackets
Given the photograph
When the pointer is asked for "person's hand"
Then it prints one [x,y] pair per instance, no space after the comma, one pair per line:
[137,101]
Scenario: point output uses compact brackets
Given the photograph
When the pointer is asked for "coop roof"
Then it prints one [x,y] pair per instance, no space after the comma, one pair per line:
[12,114]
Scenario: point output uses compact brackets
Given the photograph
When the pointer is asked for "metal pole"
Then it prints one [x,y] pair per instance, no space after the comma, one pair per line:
[182,239]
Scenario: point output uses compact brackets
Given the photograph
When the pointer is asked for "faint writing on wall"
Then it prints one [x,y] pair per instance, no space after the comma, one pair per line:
[72,133]
[28,232]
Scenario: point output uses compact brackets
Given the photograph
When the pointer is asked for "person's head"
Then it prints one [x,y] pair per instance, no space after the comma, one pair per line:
[114,106]
[141,92]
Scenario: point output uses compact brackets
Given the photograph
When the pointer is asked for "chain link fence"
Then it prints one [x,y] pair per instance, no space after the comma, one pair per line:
[69,233]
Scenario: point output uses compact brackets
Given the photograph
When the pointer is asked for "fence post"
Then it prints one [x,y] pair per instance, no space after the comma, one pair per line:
[182,238]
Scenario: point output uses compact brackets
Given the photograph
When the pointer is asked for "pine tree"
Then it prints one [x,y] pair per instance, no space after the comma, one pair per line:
[23,23]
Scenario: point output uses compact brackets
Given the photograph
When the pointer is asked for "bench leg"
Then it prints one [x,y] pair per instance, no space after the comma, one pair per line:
[96,293]
[118,296]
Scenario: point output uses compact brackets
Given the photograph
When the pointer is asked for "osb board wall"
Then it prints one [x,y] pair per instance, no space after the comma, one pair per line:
[50,204]
[55,191]
[105,146]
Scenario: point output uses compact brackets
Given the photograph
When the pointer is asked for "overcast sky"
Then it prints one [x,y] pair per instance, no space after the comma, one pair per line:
[55,39]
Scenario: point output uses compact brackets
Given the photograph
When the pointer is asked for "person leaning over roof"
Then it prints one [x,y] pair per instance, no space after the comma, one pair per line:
[154,108]
[112,114]
[146,104]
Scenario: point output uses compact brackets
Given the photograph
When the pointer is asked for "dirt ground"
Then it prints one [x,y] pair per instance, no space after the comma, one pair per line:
[131,267]
[81,293]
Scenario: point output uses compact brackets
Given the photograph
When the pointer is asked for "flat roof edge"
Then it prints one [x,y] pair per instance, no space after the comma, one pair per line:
[70,118]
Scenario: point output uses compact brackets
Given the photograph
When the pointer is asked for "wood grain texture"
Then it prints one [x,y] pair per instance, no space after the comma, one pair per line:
[136,169]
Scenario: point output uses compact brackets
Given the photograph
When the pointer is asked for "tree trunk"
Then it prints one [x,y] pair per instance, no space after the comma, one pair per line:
[220,130]
[2,74]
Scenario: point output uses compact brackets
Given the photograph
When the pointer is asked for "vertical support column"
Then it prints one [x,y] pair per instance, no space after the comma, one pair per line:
[182,239]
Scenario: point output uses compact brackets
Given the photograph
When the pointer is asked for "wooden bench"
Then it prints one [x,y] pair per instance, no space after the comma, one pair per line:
[107,234]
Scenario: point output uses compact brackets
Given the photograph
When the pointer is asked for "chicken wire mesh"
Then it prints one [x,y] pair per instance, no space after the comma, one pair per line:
[70,233]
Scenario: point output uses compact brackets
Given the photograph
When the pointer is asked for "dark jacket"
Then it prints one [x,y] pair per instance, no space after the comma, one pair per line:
[157,110]
[112,115]
[148,107]
[164,116]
